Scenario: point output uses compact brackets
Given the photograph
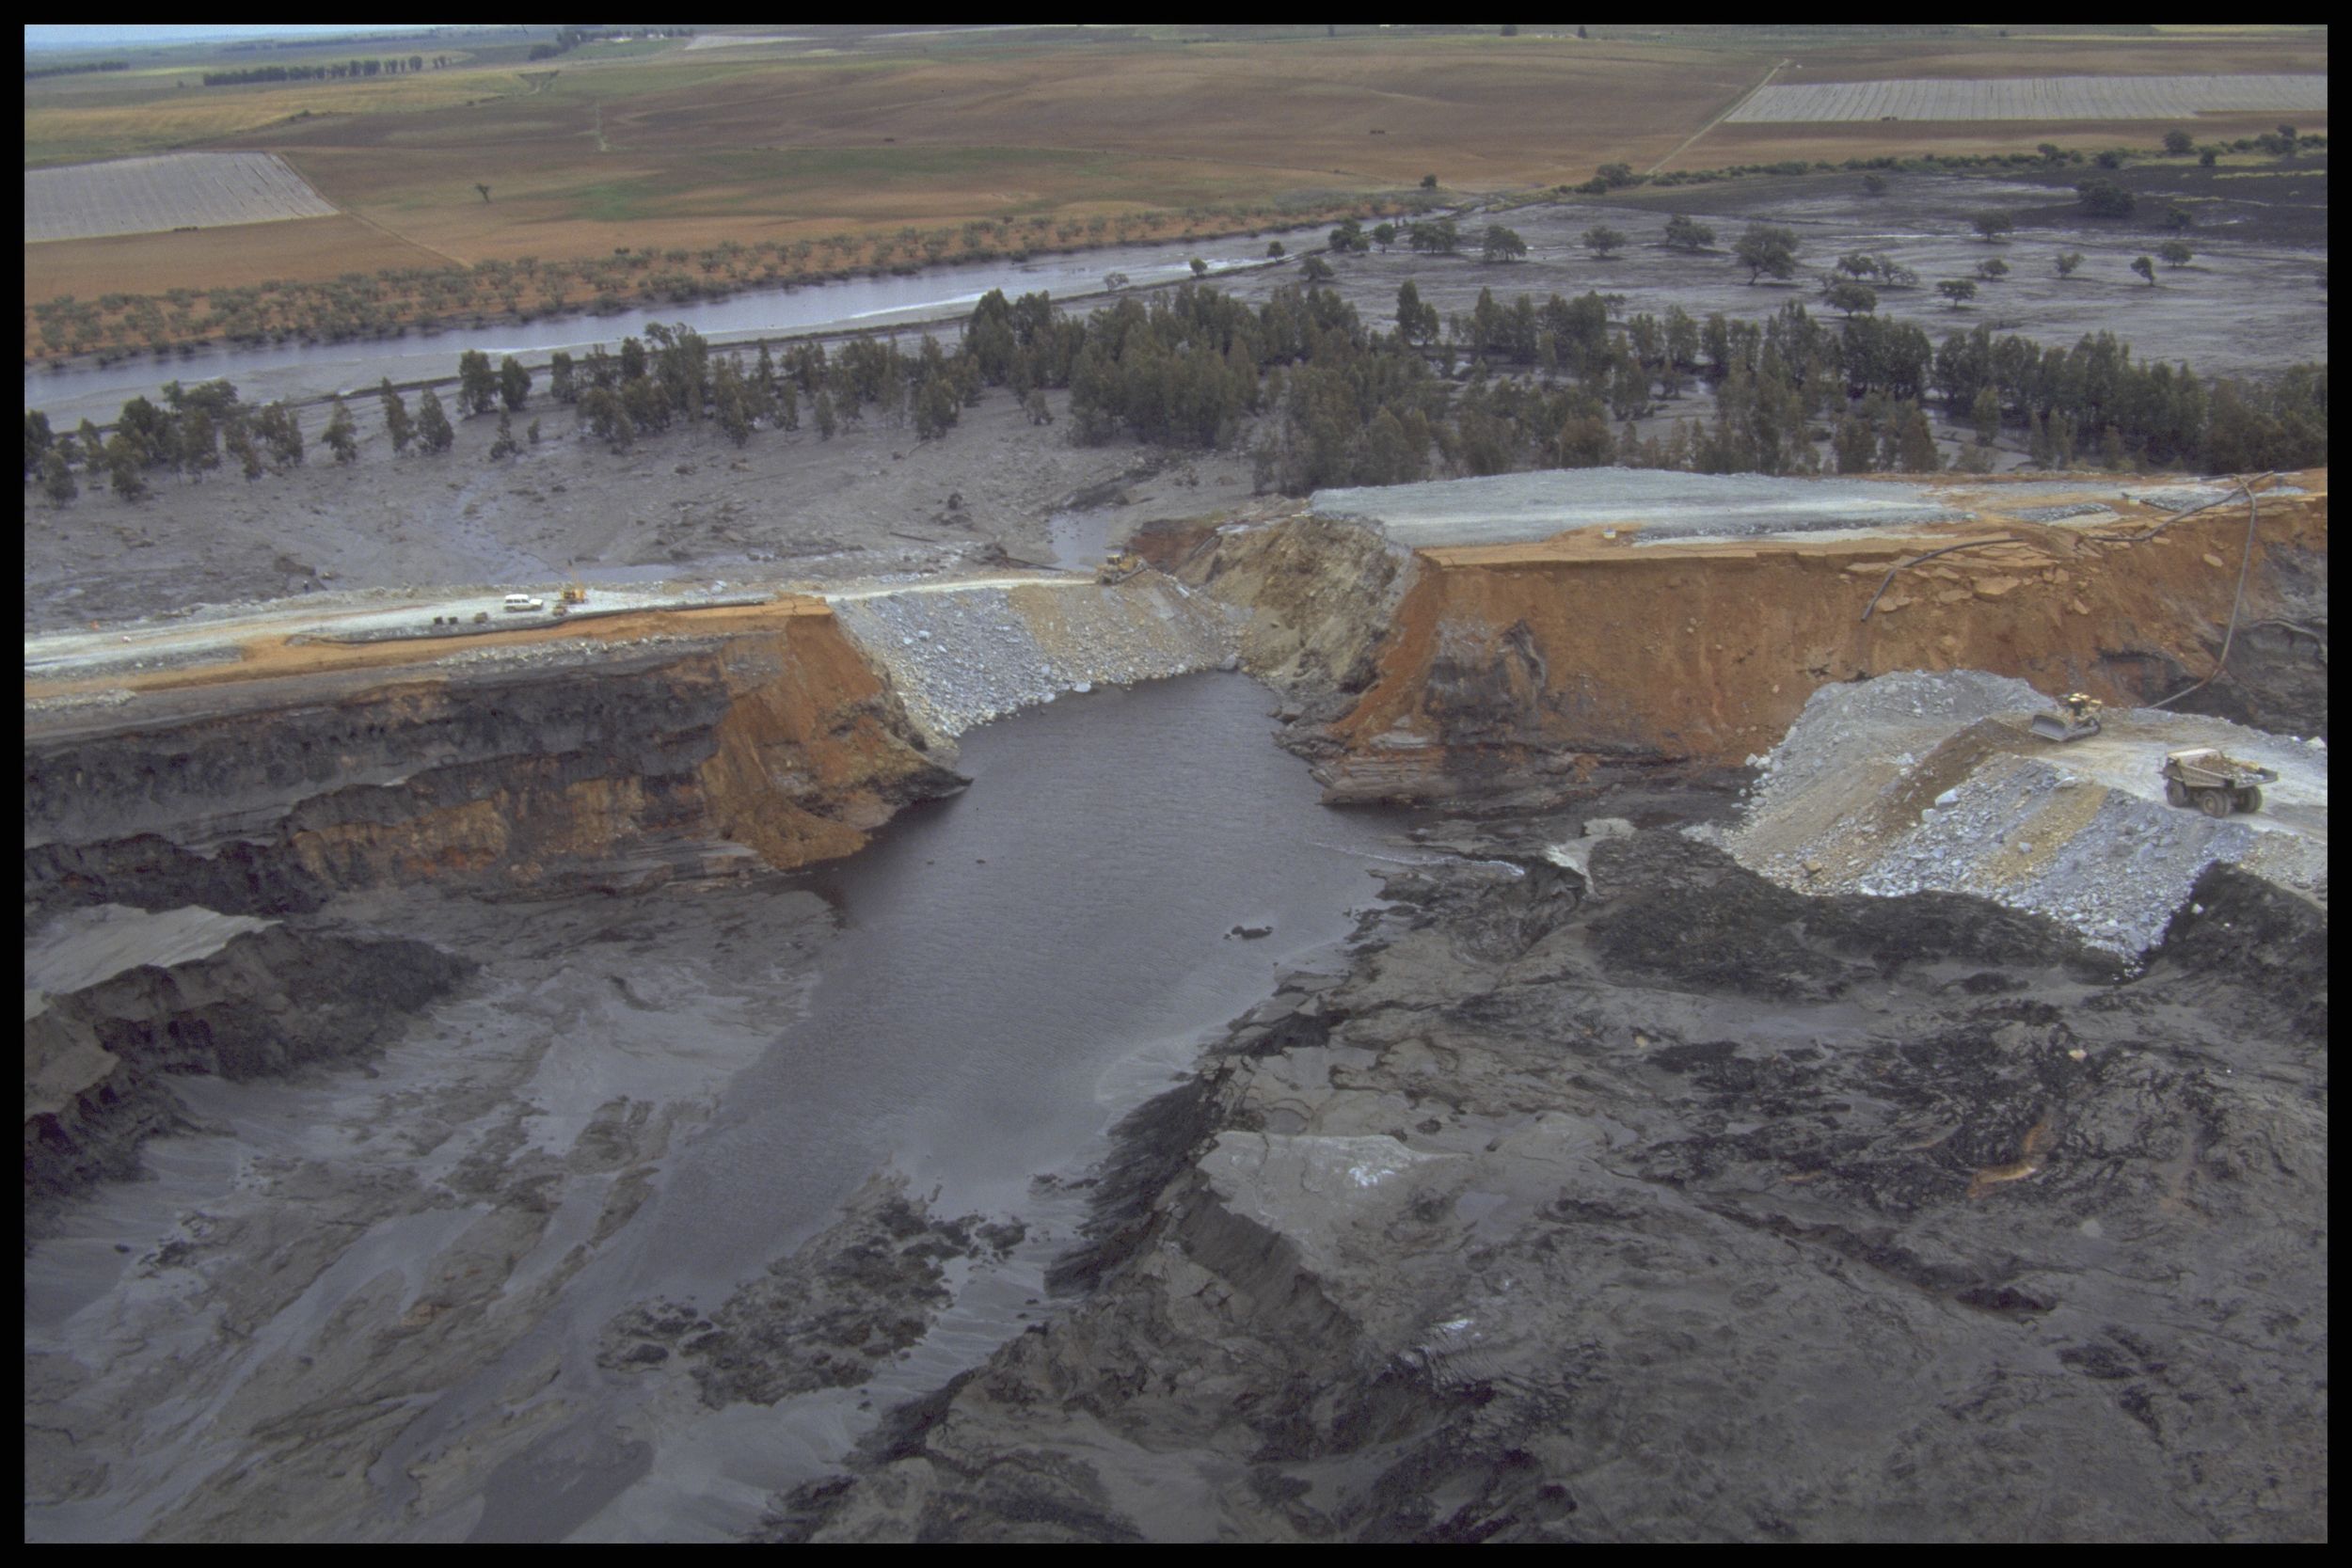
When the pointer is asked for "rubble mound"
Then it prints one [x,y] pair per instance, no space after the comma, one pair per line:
[962,656]
[1918,782]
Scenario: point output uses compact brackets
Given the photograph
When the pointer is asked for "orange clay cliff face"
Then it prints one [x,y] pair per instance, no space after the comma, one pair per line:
[1437,670]
[605,765]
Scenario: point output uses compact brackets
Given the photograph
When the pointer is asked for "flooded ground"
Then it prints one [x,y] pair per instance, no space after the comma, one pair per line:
[411,1300]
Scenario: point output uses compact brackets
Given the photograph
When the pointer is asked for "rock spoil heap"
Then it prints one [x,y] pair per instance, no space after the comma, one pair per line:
[959,656]
[1919,782]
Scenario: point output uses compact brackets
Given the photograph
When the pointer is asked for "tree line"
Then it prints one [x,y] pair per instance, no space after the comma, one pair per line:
[1331,399]
[34,73]
[331,71]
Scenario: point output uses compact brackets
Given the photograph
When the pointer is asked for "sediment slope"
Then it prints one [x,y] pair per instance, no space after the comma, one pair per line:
[262,1001]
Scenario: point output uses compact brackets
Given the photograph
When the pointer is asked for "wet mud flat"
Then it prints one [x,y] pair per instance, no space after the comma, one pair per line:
[1672,1205]
[304,1264]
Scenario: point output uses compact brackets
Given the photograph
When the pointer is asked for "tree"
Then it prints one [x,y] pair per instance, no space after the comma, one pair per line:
[2067,261]
[1429,181]
[1984,412]
[1316,270]
[1873,184]
[2179,143]
[1854,446]
[1439,237]
[37,441]
[1960,291]
[1383,236]
[1274,249]
[248,456]
[1688,233]
[1614,175]
[1504,244]
[826,421]
[935,408]
[485,190]
[341,436]
[281,428]
[1408,311]
[1767,249]
[122,462]
[2146,269]
[1990,225]
[2208,156]
[1600,239]
[505,445]
[477,384]
[1850,295]
[601,413]
[2176,253]
[2104,198]
[514,384]
[1993,269]
[397,424]
[57,477]
[1914,444]
[433,426]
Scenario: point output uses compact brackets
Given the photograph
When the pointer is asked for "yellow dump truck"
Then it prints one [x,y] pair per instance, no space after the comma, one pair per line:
[2213,782]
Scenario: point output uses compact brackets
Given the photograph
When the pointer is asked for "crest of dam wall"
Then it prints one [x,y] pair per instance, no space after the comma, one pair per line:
[1458,670]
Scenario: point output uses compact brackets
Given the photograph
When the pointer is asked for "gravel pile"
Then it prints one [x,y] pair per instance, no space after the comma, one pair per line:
[1921,782]
[960,657]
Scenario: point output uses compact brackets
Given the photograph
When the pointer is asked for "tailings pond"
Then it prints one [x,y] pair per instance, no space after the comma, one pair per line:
[379,1302]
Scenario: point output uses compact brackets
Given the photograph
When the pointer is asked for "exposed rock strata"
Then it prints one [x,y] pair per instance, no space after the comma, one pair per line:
[614,768]
[1478,672]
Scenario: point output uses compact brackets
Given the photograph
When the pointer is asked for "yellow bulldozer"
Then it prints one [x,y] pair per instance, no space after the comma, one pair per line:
[1119,566]
[2075,717]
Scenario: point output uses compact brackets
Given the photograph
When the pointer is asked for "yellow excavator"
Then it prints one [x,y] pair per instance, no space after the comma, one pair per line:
[575,594]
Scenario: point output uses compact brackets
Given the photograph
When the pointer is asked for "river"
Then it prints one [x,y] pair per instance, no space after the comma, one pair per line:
[1001,976]
[69,393]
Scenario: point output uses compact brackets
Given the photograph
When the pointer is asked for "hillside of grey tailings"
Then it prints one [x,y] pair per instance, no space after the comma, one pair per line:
[466,1266]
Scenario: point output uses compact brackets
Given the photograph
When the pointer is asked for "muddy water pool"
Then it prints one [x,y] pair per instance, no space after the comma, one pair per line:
[966,1006]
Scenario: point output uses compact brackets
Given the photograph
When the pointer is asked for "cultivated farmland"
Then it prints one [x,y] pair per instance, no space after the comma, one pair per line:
[154,196]
[2034,98]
